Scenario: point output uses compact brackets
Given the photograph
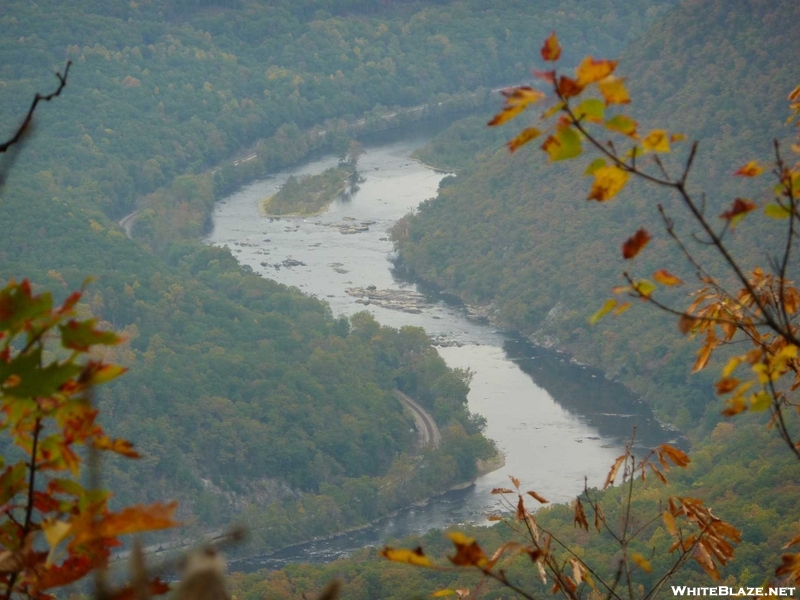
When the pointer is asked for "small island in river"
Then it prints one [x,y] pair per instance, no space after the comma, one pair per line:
[310,194]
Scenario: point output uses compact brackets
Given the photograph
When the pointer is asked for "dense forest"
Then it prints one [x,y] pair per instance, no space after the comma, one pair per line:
[247,397]
[253,401]
[559,256]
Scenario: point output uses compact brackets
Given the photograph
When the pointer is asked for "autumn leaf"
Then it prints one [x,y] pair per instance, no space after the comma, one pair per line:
[590,109]
[568,87]
[133,519]
[563,145]
[686,323]
[551,50]
[608,182]
[537,497]
[607,307]
[669,523]
[123,447]
[579,516]
[525,136]
[664,277]
[156,587]
[737,211]
[612,474]
[506,115]
[678,457]
[468,552]
[644,287]
[594,165]
[760,401]
[777,211]
[751,169]
[413,557]
[591,70]
[634,244]
[726,385]
[522,95]
[702,358]
[614,91]
[677,137]
[656,141]
[641,562]
[622,124]
[82,335]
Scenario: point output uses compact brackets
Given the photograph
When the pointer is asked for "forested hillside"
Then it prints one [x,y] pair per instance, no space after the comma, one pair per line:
[718,72]
[244,395]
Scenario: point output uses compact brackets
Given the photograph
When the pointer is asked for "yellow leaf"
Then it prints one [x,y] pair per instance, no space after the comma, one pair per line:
[506,115]
[591,70]
[608,182]
[751,169]
[412,557]
[656,141]
[669,523]
[777,211]
[523,95]
[664,277]
[702,358]
[55,532]
[760,402]
[642,562]
[677,137]
[525,136]
[623,124]
[614,90]
[731,365]
[607,307]
[442,593]
[552,110]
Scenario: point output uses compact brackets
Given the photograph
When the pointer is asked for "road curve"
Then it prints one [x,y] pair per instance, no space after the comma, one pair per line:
[126,222]
[427,431]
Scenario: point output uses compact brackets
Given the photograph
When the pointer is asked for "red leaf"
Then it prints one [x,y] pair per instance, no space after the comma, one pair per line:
[634,244]
[551,50]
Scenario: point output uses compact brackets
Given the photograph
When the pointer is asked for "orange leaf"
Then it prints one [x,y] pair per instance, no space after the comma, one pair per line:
[579,517]
[612,474]
[751,169]
[634,244]
[702,358]
[664,277]
[522,95]
[568,87]
[129,520]
[525,136]
[726,385]
[608,182]
[538,498]
[155,588]
[551,50]
[468,552]
[614,91]
[506,115]
[123,447]
[591,70]
[677,137]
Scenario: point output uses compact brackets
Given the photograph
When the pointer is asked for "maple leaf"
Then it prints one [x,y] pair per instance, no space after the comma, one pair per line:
[737,211]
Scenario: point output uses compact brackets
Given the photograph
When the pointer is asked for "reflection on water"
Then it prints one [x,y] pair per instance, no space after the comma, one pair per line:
[555,421]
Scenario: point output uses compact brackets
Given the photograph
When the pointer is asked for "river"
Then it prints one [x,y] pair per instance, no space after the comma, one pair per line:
[555,421]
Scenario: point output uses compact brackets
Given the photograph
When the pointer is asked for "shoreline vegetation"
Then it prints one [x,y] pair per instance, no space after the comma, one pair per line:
[311,194]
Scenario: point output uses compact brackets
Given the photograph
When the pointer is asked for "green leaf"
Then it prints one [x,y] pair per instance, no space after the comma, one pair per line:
[591,109]
[760,402]
[776,211]
[644,287]
[565,144]
[12,481]
[18,305]
[81,335]
[622,124]
[607,307]
[597,163]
